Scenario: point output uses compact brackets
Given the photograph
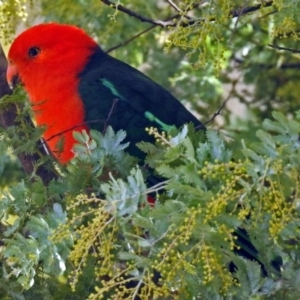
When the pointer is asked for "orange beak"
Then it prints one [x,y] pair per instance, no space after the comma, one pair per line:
[12,75]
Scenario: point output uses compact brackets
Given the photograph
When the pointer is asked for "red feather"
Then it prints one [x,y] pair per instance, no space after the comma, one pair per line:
[56,102]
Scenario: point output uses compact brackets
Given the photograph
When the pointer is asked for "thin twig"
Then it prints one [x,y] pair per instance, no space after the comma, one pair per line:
[140,282]
[138,35]
[131,39]
[105,124]
[174,6]
[269,66]
[234,13]
[238,12]
[269,14]
[178,9]
[71,129]
[284,48]
[236,22]
[115,101]
[135,15]
[218,112]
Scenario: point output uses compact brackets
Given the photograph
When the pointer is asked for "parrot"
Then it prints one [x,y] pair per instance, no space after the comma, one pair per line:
[74,85]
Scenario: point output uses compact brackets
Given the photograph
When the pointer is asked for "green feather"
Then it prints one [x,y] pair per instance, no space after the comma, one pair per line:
[163,126]
[115,94]
[111,87]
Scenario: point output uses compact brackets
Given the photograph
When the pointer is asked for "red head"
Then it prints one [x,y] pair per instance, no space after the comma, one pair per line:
[47,59]
[48,49]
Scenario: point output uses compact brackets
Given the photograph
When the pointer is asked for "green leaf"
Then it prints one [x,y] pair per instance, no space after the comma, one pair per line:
[82,137]
[125,197]
[144,243]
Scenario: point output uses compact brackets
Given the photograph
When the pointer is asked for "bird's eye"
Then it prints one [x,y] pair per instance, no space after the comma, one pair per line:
[34,51]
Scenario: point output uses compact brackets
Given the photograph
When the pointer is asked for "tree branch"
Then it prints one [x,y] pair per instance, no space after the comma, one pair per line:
[172,4]
[218,112]
[246,10]
[8,118]
[234,13]
[135,15]
[143,32]
[130,39]
[269,66]
[284,48]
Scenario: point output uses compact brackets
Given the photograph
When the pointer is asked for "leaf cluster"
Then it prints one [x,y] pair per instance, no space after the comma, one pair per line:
[216,200]
[190,236]
[92,233]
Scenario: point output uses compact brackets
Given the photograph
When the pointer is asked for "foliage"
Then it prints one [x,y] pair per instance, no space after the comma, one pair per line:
[11,12]
[91,233]
[114,244]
